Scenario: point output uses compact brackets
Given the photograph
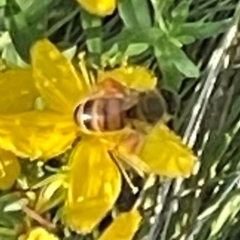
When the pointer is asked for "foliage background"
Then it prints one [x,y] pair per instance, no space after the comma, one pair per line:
[182,42]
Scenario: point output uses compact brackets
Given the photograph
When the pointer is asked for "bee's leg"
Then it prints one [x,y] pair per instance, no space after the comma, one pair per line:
[122,170]
[130,142]
[128,149]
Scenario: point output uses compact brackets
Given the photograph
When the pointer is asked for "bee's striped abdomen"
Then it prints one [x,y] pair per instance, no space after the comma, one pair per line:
[101,114]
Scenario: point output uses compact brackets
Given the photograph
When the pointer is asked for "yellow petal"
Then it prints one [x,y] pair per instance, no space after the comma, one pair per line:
[56,78]
[123,227]
[94,185]
[9,169]
[37,134]
[40,233]
[135,77]
[165,154]
[99,7]
[17,91]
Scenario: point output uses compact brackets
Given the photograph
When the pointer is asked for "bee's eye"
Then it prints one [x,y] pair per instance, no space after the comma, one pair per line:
[153,106]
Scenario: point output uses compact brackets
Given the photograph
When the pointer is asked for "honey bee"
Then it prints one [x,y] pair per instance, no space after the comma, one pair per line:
[114,107]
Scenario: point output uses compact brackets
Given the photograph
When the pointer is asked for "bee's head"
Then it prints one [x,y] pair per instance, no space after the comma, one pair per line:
[150,107]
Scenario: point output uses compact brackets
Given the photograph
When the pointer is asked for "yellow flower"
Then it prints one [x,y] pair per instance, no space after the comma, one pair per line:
[94,180]
[17,91]
[25,131]
[123,227]
[17,94]
[9,169]
[39,233]
[99,7]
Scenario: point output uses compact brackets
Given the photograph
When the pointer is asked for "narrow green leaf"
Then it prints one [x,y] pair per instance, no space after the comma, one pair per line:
[162,7]
[186,39]
[161,13]
[134,36]
[135,13]
[200,30]
[180,12]
[136,49]
[184,64]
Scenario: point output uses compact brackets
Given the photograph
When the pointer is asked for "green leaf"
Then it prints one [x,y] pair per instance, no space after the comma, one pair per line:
[92,26]
[134,36]
[2,3]
[174,55]
[11,57]
[4,40]
[35,10]
[135,13]
[22,32]
[172,78]
[183,63]
[180,12]
[161,7]
[199,30]
[8,233]
[136,49]
[186,39]
[112,56]
[9,219]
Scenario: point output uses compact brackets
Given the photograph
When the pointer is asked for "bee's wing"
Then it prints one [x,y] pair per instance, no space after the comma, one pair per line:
[165,154]
[130,101]
[55,77]
[94,184]
[109,88]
